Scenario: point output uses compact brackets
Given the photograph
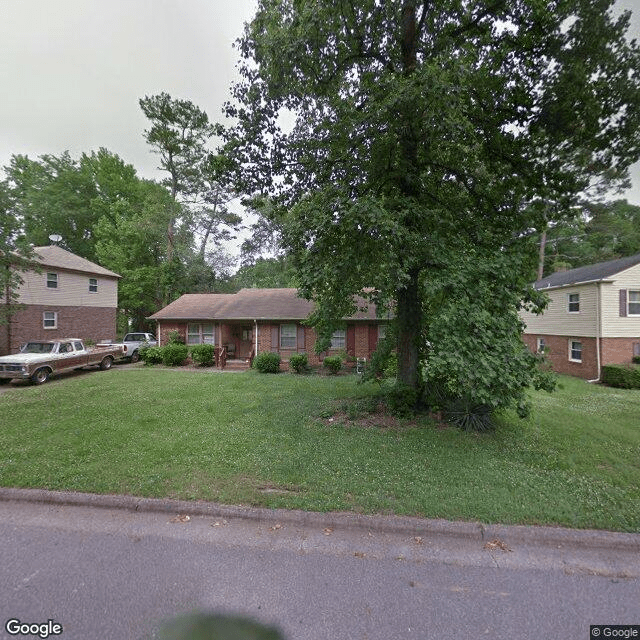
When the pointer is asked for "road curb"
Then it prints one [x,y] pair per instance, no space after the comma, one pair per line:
[399,525]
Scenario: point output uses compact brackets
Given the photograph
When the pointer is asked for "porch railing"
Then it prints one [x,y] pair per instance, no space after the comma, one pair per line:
[221,357]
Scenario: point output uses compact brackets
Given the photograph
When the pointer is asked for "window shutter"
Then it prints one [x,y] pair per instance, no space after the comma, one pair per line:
[300,338]
[623,303]
[351,340]
[275,341]
[373,338]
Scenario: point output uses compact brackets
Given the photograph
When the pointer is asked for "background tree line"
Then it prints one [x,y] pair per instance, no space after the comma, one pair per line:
[164,238]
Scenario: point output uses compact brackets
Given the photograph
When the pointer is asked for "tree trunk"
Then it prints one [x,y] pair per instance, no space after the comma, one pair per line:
[409,312]
[543,244]
[409,315]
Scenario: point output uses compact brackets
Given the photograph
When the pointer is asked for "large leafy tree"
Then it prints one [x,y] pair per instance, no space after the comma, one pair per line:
[53,195]
[427,140]
[601,231]
[67,196]
[181,134]
[130,239]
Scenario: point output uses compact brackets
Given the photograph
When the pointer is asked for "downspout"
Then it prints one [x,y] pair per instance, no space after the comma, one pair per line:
[598,331]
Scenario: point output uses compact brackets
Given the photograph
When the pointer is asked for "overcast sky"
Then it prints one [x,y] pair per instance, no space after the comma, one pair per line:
[72,71]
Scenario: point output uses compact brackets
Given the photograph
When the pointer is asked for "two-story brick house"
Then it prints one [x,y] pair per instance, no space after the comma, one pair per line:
[68,297]
[593,317]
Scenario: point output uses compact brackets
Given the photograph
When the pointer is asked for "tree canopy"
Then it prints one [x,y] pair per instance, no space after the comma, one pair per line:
[427,141]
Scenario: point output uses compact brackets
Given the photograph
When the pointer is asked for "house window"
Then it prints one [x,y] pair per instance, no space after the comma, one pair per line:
[382,331]
[52,280]
[200,334]
[288,336]
[338,339]
[50,320]
[541,345]
[633,300]
[573,302]
[93,285]
[575,351]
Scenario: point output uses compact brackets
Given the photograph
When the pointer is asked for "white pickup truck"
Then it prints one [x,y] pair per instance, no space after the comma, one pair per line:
[38,360]
[132,342]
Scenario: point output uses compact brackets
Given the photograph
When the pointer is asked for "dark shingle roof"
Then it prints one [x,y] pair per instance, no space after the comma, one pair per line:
[590,273]
[248,304]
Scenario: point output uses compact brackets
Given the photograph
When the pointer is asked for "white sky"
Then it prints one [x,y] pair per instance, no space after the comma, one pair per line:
[72,71]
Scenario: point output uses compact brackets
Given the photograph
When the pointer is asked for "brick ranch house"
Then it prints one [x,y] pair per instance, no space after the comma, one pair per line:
[70,297]
[593,317]
[253,321]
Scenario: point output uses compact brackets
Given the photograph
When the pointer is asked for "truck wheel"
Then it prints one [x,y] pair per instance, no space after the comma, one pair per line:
[106,363]
[135,356]
[5,380]
[40,376]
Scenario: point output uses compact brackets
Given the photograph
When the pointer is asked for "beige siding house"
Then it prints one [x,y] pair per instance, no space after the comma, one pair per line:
[69,297]
[593,317]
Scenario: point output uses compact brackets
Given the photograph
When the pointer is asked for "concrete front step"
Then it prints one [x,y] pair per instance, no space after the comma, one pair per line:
[237,365]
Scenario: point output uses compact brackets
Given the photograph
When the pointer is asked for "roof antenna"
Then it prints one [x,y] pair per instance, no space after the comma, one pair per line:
[55,238]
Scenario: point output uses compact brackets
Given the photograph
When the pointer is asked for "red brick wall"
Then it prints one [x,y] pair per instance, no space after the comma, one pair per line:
[165,327]
[618,350]
[558,354]
[87,323]
[264,340]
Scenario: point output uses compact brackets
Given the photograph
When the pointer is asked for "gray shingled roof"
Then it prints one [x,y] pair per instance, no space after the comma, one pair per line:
[247,304]
[54,256]
[591,273]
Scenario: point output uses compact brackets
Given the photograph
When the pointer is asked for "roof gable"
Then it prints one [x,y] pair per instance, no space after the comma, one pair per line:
[590,273]
[54,256]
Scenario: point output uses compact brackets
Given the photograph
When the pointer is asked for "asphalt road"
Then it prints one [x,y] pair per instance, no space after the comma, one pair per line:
[104,573]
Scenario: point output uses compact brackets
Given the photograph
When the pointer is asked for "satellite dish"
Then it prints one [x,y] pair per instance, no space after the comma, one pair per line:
[54,237]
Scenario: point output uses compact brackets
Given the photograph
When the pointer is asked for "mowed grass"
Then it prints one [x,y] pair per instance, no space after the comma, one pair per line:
[267,440]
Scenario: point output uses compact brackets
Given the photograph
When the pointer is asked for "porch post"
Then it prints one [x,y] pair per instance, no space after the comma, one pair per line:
[255,322]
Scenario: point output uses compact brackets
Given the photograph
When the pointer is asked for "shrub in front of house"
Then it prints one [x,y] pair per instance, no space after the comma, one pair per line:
[267,362]
[174,337]
[150,355]
[333,364]
[401,399]
[621,376]
[299,362]
[173,355]
[635,359]
[203,354]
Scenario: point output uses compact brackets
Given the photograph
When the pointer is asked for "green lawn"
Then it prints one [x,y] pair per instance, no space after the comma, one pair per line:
[265,440]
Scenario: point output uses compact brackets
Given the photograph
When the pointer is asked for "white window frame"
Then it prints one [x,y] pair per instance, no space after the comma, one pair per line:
[382,331]
[572,349]
[93,285]
[636,303]
[201,336]
[573,302]
[541,345]
[288,336]
[339,339]
[53,319]
[52,280]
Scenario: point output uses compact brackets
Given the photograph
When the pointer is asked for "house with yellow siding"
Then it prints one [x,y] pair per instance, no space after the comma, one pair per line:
[593,317]
[67,296]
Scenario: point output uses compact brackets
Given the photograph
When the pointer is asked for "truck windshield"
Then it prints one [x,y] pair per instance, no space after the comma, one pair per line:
[37,347]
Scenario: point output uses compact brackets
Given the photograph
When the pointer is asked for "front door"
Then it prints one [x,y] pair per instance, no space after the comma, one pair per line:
[246,342]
